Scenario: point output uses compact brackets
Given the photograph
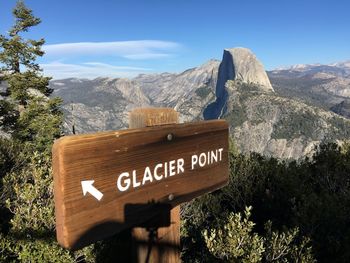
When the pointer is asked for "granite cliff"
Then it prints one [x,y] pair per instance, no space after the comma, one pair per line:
[238,64]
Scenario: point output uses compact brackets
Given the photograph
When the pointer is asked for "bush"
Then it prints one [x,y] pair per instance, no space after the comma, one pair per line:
[305,200]
[235,241]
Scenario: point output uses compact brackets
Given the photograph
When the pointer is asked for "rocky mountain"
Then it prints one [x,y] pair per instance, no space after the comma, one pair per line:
[340,69]
[238,64]
[103,103]
[277,126]
[321,85]
[188,92]
[262,118]
[99,104]
[263,121]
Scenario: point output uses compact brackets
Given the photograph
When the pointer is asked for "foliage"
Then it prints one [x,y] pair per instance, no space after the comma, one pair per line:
[16,50]
[21,85]
[235,241]
[312,196]
[286,246]
[10,159]
[237,116]
[30,128]
[203,91]
[33,120]
[31,237]
[17,57]
[8,115]
[295,125]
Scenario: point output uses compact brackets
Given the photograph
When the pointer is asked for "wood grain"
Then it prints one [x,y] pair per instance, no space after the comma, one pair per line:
[81,220]
[147,117]
[165,247]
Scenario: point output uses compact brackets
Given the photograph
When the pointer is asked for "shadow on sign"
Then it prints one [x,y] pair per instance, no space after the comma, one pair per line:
[124,246]
[161,217]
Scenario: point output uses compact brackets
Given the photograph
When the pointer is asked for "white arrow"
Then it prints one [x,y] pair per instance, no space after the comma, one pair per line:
[88,187]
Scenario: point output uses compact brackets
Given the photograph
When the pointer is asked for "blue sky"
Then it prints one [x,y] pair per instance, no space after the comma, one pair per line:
[90,38]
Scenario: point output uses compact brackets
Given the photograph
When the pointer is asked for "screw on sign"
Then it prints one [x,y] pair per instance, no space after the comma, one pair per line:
[106,182]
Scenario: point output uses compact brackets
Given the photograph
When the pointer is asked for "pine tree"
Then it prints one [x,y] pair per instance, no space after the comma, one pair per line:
[33,120]
[27,106]
[17,50]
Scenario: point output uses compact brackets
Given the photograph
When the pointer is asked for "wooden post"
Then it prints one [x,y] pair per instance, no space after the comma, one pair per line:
[166,248]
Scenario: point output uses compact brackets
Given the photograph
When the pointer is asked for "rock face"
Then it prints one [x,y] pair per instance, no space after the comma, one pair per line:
[241,65]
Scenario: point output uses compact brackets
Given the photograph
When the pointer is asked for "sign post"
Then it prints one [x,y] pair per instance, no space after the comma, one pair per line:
[107,182]
[140,118]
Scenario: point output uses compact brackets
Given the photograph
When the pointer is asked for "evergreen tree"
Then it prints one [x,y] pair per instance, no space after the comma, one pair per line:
[26,106]
[16,50]
[27,227]
[23,75]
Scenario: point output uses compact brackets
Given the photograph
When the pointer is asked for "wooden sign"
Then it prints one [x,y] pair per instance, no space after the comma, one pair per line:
[107,182]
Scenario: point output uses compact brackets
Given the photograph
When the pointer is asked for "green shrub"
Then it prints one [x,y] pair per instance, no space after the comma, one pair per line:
[236,241]
[311,196]
[203,91]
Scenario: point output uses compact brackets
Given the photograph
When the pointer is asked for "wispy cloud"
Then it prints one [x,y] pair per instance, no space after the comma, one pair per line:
[137,50]
[90,70]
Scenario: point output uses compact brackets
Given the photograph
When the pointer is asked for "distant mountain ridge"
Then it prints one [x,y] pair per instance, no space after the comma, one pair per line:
[99,104]
[188,92]
[341,69]
[262,117]
[321,85]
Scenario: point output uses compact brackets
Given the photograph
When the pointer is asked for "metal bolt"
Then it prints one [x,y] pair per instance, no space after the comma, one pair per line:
[170,137]
[171,197]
